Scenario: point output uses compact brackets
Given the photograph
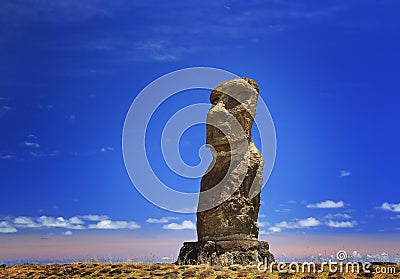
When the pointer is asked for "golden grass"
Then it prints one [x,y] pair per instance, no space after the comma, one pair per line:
[166,271]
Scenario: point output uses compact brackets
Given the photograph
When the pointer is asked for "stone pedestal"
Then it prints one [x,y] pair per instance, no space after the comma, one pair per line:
[225,252]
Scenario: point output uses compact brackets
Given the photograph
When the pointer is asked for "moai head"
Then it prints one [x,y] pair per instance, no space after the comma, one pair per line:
[232,115]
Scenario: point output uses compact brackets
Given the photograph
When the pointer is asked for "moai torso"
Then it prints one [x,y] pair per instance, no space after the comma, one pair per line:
[234,179]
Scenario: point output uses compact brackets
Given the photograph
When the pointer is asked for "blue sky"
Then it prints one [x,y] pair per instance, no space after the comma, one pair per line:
[69,71]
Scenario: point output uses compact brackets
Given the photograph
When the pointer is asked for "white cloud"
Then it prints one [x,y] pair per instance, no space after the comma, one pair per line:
[73,223]
[286,225]
[342,224]
[344,173]
[114,225]
[327,204]
[262,224]
[25,222]
[185,225]
[67,233]
[76,221]
[6,227]
[309,222]
[53,222]
[338,215]
[161,220]
[32,144]
[394,207]
[275,229]
[94,217]
[298,224]
[58,222]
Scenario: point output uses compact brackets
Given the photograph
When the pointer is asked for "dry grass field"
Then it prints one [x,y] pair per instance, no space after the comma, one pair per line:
[169,271]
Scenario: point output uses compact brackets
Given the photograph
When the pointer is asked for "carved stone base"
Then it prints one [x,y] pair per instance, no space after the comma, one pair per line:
[225,252]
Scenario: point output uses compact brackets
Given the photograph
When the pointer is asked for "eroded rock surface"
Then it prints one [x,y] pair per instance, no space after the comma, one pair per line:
[229,124]
[229,202]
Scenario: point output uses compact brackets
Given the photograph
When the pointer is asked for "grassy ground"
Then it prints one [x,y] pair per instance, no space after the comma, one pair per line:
[167,271]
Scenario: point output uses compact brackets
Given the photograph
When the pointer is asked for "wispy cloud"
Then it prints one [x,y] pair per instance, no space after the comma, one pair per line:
[161,220]
[177,34]
[35,149]
[4,110]
[106,149]
[67,233]
[271,230]
[157,45]
[237,26]
[60,12]
[344,173]
[327,204]
[393,207]
[7,157]
[162,50]
[43,153]
[185,225]
[283,210]
[32,144]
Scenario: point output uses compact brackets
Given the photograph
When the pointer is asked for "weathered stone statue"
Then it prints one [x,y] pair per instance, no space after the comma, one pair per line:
[229,200]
